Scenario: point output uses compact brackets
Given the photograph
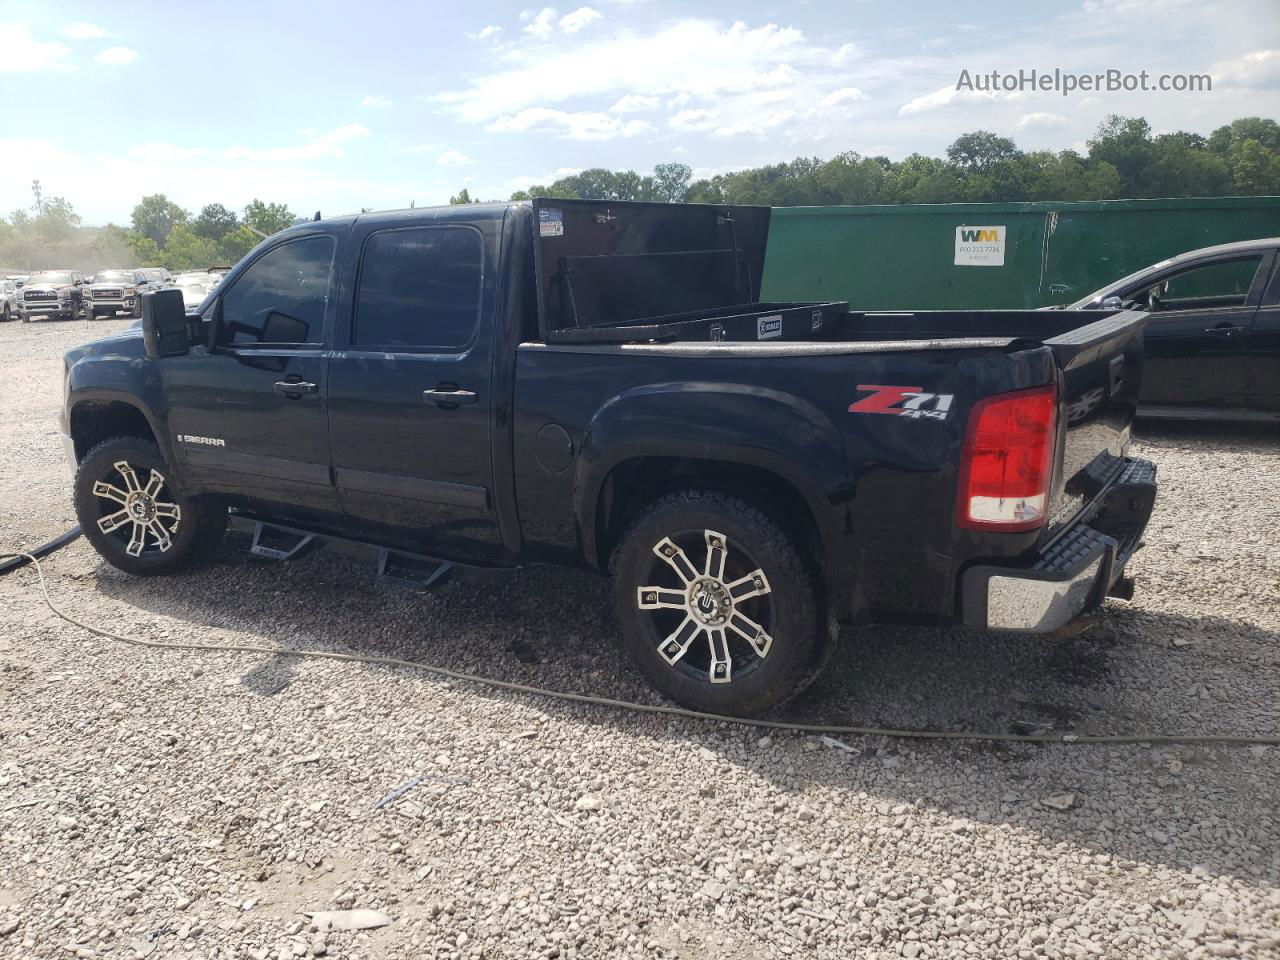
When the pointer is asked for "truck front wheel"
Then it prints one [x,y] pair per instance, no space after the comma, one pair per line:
[717,605]
[133,516]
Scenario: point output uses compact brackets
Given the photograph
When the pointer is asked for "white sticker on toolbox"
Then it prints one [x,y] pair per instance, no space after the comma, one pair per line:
[979,247]
[550,222]
[769,327]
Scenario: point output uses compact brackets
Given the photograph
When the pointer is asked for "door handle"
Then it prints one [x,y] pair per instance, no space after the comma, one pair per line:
[294,388]
[447,395]
[1224,330]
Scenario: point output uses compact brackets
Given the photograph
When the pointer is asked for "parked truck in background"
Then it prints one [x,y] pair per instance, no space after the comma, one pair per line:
[597,384]
[52,293]
[113,291]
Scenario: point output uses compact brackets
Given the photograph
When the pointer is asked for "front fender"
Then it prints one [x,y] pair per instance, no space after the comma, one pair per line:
[723,422]
[119,372]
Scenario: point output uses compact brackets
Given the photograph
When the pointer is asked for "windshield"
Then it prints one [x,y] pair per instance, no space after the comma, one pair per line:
[51,276]
[113,276]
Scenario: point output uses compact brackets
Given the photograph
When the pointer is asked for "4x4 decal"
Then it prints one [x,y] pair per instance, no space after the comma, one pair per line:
[914,402]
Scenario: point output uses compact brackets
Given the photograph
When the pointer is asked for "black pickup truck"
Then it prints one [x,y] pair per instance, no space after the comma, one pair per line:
[597,384]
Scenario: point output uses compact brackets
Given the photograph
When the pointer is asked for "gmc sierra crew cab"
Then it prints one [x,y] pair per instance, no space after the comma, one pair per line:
[597,384]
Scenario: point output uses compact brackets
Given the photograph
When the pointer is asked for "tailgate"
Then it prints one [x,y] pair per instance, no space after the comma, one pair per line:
[1101,368]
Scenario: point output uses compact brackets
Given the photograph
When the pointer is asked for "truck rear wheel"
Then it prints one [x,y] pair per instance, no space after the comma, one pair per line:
[135,518]
[717,605]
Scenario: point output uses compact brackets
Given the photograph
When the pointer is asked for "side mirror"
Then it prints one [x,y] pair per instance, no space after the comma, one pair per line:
[1110,303]
[164,324]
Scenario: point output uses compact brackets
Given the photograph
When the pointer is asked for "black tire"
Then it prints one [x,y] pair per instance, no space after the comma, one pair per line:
[7,315]
[192,526]
[688,614]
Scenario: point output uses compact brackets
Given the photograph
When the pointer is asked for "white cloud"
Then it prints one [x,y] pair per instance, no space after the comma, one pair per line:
[1257,70]
[1041,121]
[945,96]
[316,145]
[579,19]
[453,158]
[583,125]
[20,52]
[692,120]
[1134,8]
[844,95]
[116,55]
[540,24]
[376,102]
[161,152]
[754,124]
[484,33]
[696,64]
[634,103]
[79,30]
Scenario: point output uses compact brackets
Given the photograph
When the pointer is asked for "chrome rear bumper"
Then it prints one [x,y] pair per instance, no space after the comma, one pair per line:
[1073,572]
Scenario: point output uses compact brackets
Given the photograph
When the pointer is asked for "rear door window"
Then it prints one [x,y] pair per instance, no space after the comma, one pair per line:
[419,289]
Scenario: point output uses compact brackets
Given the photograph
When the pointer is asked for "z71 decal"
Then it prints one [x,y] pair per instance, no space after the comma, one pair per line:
[912,402]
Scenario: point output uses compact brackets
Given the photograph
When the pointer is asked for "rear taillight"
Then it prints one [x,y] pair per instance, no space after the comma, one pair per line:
[1007,463]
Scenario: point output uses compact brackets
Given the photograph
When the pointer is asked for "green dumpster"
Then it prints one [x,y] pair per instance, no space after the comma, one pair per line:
[993,255]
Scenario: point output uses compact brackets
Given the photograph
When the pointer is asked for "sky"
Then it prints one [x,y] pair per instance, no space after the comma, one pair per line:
[338,106]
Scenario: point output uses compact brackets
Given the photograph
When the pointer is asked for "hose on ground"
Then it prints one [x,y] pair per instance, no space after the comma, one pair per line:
[609,702]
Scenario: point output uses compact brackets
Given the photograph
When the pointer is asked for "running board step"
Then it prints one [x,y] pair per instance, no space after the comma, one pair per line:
[412,571]
[279,543]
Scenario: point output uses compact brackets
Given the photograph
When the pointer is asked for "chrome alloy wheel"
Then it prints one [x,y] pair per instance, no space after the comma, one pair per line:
[725,601]
[139,512]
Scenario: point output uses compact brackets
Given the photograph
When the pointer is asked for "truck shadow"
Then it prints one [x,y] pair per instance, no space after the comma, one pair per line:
[555,629]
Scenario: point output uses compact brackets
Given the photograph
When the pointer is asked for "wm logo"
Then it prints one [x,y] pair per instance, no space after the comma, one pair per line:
[974,235]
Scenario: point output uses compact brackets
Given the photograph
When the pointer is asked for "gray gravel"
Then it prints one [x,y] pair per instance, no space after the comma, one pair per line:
[201,805]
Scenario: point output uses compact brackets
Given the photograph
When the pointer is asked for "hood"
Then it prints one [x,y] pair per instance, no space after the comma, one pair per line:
[126,343]
[54,287]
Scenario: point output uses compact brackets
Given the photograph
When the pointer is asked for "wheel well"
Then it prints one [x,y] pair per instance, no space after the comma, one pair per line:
[634,484]
[96,420]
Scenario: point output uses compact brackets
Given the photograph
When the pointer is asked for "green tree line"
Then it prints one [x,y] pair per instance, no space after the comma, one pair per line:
[1124,160]
[161,233]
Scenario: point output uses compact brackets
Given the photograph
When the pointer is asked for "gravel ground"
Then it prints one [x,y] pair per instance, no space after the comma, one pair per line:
[197,805]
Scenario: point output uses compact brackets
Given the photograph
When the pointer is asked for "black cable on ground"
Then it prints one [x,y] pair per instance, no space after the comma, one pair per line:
[14,561]
[611,703]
